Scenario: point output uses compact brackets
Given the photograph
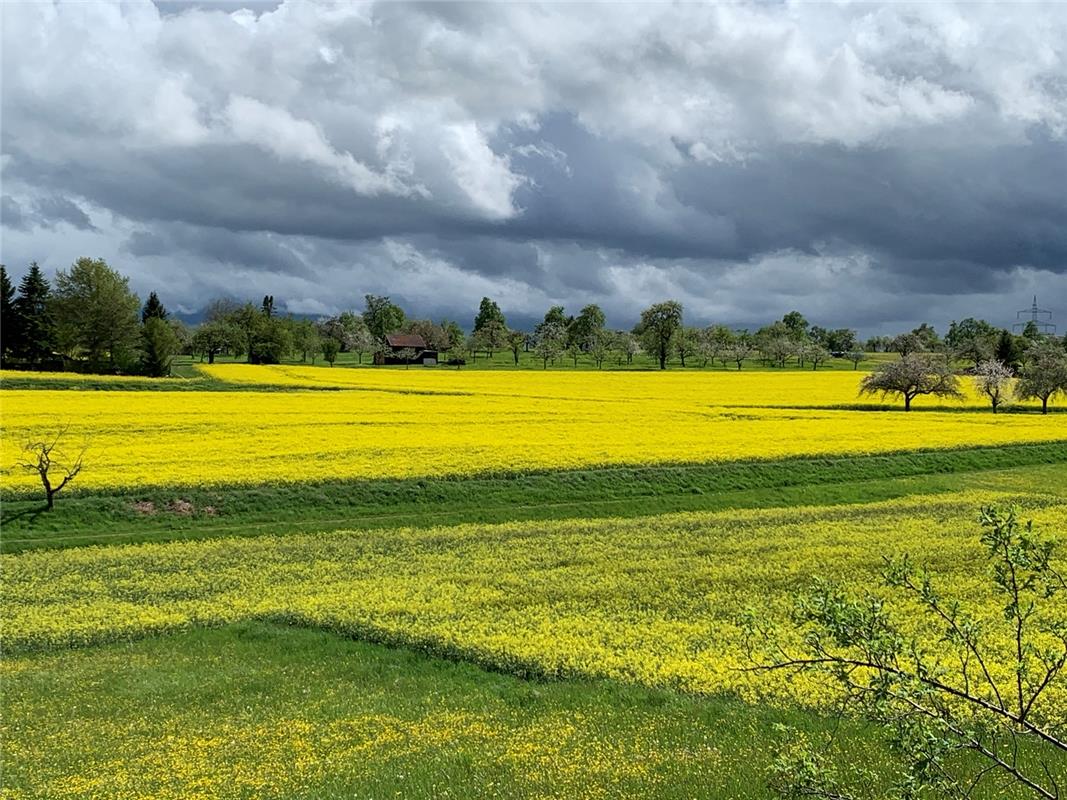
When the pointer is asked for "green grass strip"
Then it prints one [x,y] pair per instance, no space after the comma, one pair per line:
[163,514]
[270,711]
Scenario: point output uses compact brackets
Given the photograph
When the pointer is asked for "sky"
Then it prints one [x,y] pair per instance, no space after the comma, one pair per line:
[873,166]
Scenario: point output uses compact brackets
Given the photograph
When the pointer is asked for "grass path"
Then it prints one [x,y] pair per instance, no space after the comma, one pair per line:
[98,517]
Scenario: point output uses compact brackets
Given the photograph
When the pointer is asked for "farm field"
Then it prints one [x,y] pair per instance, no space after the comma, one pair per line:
[403,424]
[231,718]
[383,582]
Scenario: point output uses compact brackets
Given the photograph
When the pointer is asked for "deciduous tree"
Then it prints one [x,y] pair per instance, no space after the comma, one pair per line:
[993,379]
[911,376]
[551,340]
[1044,375]
[686,343]
[516,343]
[96,313]
[382,316]
[330,348]
[816,354]
[658,327]
[986,688]
[213,338]
[488,312]
[972,339]
[586,326]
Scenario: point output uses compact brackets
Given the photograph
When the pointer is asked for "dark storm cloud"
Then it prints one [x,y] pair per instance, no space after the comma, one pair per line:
[54,209]
[46,212]
[870,165]
[224,6]
[218,246]
[12,214]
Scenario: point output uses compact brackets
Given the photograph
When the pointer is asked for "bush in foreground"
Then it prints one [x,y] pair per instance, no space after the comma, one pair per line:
[973,708]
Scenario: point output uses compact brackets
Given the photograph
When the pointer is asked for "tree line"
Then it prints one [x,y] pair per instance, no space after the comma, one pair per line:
[90,318]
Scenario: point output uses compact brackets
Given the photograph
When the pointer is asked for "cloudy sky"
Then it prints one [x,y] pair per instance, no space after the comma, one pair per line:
[871,166]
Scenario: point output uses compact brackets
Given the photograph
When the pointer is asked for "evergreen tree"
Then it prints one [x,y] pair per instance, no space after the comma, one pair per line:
[153,309]
[1008,350]
[159,345]
[35,325]
[9,328]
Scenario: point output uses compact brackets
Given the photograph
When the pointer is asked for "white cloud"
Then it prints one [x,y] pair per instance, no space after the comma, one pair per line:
[279,132]
[483,176]
[635,152]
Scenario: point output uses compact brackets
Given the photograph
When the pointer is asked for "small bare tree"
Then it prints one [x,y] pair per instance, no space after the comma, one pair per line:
[44,458]
[738,352]
[817,354]
[993,379]
[407,355]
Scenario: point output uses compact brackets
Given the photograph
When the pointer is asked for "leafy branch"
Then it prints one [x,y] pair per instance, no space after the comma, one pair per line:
[973,692]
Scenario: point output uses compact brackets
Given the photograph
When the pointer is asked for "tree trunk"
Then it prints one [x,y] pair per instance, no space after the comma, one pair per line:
[907,402]
[1044,404]
[662,360]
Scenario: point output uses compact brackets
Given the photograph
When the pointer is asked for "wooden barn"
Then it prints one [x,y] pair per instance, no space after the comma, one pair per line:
[401,345]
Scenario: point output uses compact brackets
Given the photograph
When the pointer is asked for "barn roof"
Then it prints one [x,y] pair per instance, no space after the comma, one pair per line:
[406,340]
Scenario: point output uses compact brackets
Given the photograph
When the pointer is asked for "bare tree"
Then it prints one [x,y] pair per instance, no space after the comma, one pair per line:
[817,354]
[777,349]
[739,351]
[550,342]
[599,348]
[44,458]
[912,376]
[407,355]
[855,356]
[516,343]
[993,379]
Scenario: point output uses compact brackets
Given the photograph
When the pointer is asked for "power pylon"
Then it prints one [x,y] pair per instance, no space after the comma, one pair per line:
[1040,317]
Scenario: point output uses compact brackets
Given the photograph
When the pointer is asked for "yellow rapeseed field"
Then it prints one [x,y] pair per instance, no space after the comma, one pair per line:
[655,601]
[717,388]
[45,378]
[423,424]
